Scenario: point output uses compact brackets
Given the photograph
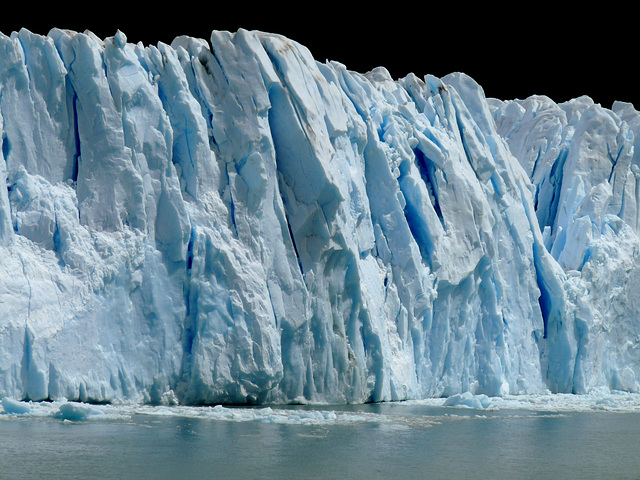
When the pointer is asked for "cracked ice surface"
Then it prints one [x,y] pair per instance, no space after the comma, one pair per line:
[232,221]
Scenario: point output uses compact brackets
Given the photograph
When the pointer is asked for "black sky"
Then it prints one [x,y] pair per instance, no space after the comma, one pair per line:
[512,52]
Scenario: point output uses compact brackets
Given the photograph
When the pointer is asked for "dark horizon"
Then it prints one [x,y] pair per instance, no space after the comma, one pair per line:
[509,56]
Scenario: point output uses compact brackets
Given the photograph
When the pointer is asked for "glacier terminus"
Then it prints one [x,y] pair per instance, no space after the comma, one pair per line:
[231,221]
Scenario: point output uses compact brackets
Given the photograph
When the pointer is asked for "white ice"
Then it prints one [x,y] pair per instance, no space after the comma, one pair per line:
[231,221]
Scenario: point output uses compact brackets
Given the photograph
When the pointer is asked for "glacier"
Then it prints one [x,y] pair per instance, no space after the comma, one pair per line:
[230,221]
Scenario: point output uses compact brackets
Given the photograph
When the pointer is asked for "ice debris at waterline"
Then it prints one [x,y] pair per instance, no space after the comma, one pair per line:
[411,413]
[234,221]
[81,412]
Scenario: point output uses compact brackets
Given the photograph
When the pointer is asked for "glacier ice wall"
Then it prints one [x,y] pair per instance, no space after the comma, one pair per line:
[232,221]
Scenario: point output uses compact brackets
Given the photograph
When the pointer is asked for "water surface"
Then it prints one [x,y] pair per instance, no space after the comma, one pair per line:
[387,441]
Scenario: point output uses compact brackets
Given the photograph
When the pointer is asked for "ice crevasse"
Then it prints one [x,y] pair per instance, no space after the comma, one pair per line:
[231,221]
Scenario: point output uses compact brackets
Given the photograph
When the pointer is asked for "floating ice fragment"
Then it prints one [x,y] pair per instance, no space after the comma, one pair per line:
[467,399]
[12,406]
[76,411]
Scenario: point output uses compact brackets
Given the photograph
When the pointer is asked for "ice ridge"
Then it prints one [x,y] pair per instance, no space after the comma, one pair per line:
[232,221]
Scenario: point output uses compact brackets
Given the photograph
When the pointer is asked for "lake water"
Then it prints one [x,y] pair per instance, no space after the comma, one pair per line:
[531,439]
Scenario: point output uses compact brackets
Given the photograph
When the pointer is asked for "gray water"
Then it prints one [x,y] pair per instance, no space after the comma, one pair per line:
[413,442]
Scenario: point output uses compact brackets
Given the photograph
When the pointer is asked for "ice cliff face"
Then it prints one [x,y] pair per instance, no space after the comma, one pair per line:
[235,222]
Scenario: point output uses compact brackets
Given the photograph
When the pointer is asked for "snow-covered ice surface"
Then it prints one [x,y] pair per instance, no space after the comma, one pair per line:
[231,221]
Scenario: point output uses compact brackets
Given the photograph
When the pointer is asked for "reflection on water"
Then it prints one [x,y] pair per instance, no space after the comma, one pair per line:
[356,442]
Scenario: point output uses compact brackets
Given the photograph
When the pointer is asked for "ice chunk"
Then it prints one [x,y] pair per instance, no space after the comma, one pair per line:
[467,399]
[76,412]
[12,406]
